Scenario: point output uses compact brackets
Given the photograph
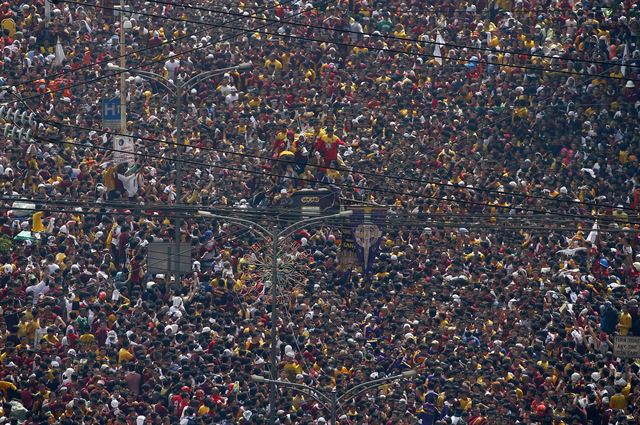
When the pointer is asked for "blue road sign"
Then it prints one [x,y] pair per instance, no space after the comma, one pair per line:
[111,109]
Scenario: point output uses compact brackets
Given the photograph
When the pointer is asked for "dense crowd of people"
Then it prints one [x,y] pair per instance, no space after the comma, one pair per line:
[501,139]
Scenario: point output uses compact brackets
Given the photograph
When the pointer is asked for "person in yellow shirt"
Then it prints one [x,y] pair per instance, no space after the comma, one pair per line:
[273,64]
[464,400]
[624,324]
[51,337]
[109,179]
[206,407]
[6,387]
[28,325]
[87,338]
[618,401]
[124,355]
[36,220]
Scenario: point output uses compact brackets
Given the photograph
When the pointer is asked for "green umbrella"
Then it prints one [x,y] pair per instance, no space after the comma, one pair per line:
[25,235]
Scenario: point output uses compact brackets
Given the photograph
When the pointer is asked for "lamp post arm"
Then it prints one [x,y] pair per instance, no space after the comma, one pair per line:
[365,386]
[191,82]
[317,395]
[300,224]
[170,86]
[263,231]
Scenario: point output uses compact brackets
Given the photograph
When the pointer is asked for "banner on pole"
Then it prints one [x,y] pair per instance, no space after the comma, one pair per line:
[348,259]
[368,225]
[124,150]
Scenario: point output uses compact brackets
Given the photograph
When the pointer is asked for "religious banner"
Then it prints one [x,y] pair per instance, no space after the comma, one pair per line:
[368,225]
[347,259]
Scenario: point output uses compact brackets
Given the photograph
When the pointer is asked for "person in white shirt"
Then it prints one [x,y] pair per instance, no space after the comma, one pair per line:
[41,288]
[172,66]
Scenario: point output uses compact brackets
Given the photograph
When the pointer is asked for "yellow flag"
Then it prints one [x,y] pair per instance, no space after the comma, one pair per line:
[37,226]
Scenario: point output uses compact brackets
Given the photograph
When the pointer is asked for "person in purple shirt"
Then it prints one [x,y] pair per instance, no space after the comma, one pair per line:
[429,413]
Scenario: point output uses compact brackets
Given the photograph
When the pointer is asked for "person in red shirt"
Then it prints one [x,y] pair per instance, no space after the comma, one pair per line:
[328,146]
[181,401]
[216,397]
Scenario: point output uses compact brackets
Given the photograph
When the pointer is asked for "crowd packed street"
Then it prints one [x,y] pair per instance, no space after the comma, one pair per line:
[500,138]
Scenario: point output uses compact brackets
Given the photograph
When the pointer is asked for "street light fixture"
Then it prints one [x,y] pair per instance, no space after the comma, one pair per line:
[334,402]
[275,235]
[177,88]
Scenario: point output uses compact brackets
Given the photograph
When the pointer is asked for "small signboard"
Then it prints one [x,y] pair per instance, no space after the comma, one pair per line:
[314,202]
[111,114]
[626,347]
[124,150]
[161,258]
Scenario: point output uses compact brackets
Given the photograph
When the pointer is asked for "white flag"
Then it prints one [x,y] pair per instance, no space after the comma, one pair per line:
[593,234]
[625,55]
[47,12]
[60,57]
[436,51]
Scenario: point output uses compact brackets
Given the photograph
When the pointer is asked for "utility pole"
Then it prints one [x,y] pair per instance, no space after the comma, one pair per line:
[123,65]
[47,22]
[178,162]
[275,234]
[176,89]
[273,399]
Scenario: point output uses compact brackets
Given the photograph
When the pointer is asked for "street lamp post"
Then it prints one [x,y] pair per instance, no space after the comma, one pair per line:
[177,88]
[275,234]
[333,402]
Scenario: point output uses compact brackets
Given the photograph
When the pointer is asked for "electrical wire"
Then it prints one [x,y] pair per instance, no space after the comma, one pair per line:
[385,176]
[24,99]
[513,194]
[453,185]
[501,11]
[227,167]
[160,60]
[378,190]
[347,170]
[406,220]
[123,210]
[409,53]
[221,210]
[379,36]
[164,43]
[380,49]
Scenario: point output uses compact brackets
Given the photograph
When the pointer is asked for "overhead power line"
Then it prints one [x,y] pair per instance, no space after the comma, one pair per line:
[140,65]
[364,189]
[370,34]
[390,222]
[357,187]
[353,170]
[132,207]
[406,219]
[363,172]
[287,36]
[381,49]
